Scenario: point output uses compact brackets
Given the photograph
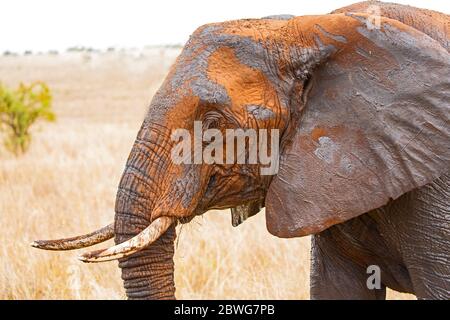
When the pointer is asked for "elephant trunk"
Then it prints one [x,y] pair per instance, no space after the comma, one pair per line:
[149,273]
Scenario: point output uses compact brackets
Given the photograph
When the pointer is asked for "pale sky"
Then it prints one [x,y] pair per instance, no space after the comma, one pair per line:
[41,25]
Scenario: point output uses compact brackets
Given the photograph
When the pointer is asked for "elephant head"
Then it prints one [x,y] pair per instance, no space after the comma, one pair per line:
[359,113]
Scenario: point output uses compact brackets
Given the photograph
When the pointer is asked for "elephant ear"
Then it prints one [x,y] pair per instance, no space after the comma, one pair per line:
[374,126]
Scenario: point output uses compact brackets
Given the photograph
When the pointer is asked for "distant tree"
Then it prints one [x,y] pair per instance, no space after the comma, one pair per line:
[75,49]
[20,109]
[9,53]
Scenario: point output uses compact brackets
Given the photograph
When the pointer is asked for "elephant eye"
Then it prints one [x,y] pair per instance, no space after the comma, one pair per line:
[211,120]
[213,124]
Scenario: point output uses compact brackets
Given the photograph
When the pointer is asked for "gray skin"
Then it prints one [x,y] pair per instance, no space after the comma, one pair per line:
[409,239]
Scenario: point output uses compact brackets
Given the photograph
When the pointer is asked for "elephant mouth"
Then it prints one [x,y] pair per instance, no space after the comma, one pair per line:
[184,220]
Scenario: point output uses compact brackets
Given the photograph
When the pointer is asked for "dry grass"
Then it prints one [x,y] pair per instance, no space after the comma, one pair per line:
[66,185]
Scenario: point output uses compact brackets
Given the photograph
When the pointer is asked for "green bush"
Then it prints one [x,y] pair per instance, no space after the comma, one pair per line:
[19,110]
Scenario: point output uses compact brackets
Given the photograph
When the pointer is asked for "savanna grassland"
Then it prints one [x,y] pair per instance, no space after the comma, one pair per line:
[66,184]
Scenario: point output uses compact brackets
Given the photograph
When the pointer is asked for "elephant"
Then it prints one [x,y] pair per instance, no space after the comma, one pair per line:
[360,116]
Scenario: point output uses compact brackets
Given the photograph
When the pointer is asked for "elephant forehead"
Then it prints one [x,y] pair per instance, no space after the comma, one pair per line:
[221,69]
[190,77]
[190,73]
[245,85]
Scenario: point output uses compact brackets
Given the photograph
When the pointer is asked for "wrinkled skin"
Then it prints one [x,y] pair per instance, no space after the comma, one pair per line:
[409,238]
[290,75]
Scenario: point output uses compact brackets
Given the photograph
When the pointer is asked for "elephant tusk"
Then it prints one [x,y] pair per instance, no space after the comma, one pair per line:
[137,243]
[78,242]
